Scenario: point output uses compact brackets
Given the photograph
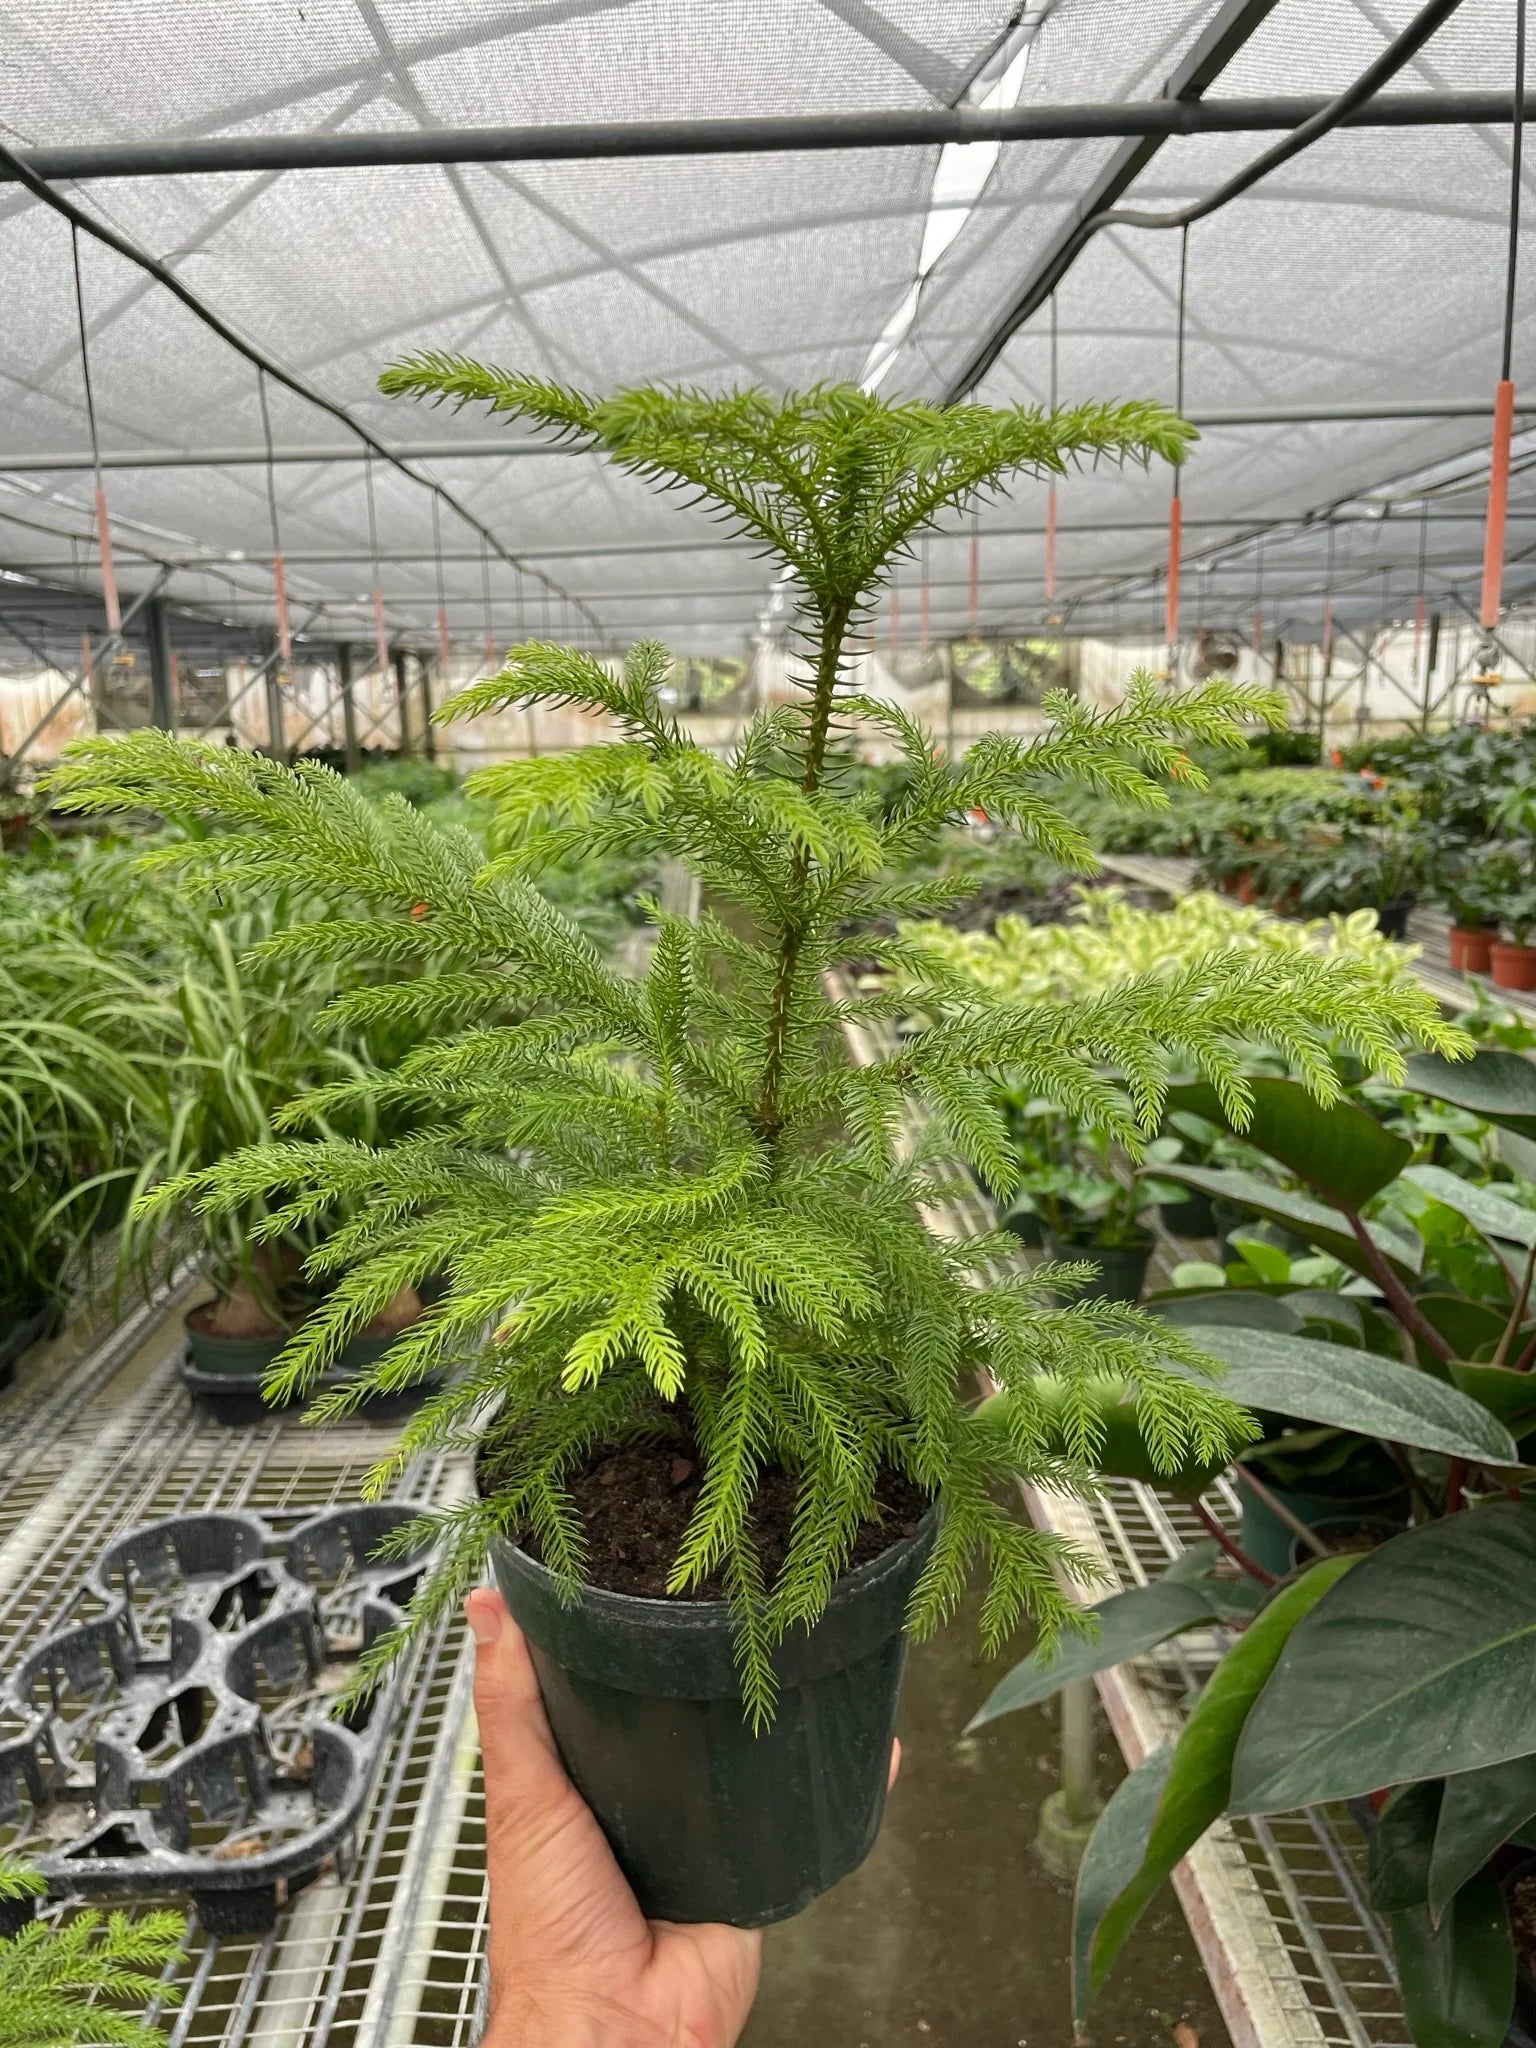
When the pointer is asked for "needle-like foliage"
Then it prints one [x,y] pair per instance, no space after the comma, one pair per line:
[87,1980]
[680,1195]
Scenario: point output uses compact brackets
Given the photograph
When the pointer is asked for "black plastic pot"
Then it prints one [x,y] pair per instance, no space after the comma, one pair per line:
[1392,918]
[1336,1531]
[1191,1217]
[1269,1541]
[20,1330]
[232,1357]
[1122,1267]
[1026,1226]
[709,1821]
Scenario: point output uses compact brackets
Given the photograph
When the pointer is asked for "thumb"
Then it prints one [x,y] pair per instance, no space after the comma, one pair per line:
[523,1772]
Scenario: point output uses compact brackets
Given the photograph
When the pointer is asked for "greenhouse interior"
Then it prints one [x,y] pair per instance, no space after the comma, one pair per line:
[767,1014]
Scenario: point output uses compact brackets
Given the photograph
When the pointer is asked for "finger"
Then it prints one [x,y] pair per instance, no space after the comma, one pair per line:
[895,1763]
[522,1765]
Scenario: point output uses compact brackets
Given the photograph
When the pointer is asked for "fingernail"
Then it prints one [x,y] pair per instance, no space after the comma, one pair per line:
[484,1621]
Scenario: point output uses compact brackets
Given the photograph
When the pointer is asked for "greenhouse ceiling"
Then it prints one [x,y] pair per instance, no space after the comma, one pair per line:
[1342,318]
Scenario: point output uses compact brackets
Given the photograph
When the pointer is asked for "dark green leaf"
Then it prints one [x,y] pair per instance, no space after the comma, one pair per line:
[1129,1623]
[1402,1845]
[1111,1860]
[1500,1086]
[1340,1151]
[1463,1323]
[1339,1311]
[1326,1228]
[1509,1395]
[1233,1595]
[1480,1812]
[1419,1663]
[1224,1305]
[1197,1782]
[1484,1208]
[1458,1980]
[1350,1389]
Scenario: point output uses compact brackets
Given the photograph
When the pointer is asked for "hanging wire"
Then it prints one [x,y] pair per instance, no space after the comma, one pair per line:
[444,648]
[1176,506]
[485,601]
[109,597]
[1050,496]
[1504,396]
[279,575]
[1419,602]
[380,630]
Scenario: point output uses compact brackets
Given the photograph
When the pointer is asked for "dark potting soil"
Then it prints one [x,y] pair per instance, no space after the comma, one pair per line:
[636,1503]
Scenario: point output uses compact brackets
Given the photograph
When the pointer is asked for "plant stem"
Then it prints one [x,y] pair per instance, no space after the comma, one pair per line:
[1234,1550]
[1455,1480]
[1279,1510]
[1416,1486]
[770,1118]
[1403,1304]
[1527,1358]
[1517,1313]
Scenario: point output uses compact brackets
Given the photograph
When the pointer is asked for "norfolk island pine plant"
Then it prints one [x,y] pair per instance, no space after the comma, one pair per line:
[682,1213]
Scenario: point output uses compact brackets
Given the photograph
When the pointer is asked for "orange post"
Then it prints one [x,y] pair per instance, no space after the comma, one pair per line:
[444,647]
[1498,505]
[490,655]
[108,572]
[380,632]
[280,599]
[975,581]
[1050,543]
[925,615]
[895,621]
[1175,545]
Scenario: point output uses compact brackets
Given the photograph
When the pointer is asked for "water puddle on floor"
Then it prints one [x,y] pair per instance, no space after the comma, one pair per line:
[953,1935]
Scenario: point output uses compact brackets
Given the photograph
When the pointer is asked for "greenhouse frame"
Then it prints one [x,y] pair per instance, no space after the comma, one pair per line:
[768,865]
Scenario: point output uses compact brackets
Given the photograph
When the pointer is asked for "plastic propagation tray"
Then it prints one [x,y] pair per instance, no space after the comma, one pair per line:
[176,1736]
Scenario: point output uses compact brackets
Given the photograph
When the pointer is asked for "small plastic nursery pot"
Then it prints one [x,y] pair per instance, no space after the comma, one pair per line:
[1026,1226]
[1513,966]
[1122,1267]
[1272,1545]
[1392,918]
[1193,1217]
[1340,1532]
[709,1821]
[1471,948]
[20,1329]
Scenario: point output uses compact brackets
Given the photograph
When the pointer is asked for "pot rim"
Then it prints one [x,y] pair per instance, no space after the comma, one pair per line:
[715,1613]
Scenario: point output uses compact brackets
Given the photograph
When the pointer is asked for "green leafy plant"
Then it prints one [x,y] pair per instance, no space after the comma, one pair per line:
[678,1203]
[79,1981]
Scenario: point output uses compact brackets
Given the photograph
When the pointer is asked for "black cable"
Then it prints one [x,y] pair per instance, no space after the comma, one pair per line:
[24,175]
[1399,52]
[1516,148]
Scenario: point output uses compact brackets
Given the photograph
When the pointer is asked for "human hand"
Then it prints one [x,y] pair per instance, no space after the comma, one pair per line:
[574,1962]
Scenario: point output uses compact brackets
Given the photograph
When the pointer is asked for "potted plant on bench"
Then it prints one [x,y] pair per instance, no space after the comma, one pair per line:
[725,1440]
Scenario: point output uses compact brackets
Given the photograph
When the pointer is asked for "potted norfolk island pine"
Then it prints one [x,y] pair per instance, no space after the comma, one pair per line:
[727,1448]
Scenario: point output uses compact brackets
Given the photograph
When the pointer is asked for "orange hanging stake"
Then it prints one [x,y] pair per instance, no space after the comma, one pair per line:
[444,646]
[1498,506]
[1175,558]
[108,572]
[1050,544]
[925,613]
[381,631]
[490,655]
[1328,637]
[975,580]
[895,622]
[280,604]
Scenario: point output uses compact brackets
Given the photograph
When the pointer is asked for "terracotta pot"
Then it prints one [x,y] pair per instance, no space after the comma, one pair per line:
[1513,966]
[1470,948]
[1247,889]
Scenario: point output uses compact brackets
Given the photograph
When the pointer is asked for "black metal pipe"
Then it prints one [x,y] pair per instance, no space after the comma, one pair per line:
[914,127]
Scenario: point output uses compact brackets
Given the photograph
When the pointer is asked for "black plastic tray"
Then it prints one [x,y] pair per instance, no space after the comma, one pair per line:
[177,1736]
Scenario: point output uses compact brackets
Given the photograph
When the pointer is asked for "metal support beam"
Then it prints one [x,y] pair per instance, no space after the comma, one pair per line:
[1233,25]
[348,707]
[162,683]
[403,699]
[499,448]
[1178,112]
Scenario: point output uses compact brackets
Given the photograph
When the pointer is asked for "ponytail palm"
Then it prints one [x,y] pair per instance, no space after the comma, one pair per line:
[676,1199]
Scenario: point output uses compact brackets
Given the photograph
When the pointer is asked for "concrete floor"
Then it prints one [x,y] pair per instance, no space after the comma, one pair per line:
[952,1935]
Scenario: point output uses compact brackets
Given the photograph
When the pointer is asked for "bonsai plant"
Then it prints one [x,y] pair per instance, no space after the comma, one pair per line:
[725,1451]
